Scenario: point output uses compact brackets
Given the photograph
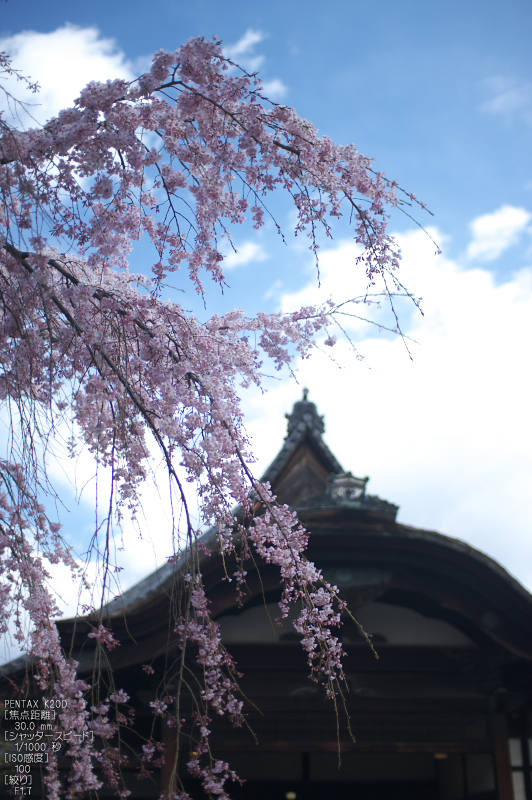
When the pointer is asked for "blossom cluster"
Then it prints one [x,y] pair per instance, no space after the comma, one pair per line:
[280,539]
[220,687]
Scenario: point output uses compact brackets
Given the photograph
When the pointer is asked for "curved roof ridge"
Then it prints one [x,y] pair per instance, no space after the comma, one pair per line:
[459,545]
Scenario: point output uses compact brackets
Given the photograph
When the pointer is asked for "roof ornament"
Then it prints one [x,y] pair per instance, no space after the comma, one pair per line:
[305,415]
[346,488]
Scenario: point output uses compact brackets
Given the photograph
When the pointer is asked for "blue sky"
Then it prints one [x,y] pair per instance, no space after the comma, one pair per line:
[440,93]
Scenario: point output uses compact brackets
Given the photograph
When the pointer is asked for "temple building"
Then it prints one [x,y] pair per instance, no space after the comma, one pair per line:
[443,713]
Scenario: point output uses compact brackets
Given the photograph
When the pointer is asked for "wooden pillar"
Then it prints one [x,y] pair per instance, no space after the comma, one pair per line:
[503,772]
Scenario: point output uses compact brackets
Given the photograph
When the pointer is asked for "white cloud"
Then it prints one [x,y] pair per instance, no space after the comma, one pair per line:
[446,435]
[339,276]
[245,253]
[62,62]
[494,233]
[243,53]
[508,97]
[275,89]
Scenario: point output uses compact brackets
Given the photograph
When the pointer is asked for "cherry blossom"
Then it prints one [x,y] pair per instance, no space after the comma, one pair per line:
[176,158]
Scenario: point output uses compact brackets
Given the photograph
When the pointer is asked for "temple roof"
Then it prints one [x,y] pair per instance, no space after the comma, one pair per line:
[333,503]
[351,530]
[306,474]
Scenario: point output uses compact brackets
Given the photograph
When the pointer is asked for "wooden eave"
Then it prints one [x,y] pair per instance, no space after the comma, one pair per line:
[431,573]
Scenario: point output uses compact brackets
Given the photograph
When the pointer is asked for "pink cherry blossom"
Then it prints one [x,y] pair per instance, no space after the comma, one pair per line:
[176,158]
